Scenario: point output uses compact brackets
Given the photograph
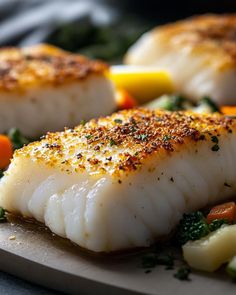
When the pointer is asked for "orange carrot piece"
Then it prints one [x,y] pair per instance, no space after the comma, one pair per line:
[6,151]
[228,110]
[125,100]
[223,211]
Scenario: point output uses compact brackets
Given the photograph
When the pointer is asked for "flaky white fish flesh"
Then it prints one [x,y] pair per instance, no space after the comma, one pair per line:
[45,89]
[199,53]
[123,181]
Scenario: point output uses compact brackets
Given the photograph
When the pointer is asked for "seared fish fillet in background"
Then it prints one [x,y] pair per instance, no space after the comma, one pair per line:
[43,88]
[199,53]
[123,181]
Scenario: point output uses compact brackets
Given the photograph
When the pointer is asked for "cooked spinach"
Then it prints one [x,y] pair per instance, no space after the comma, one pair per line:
[18,140]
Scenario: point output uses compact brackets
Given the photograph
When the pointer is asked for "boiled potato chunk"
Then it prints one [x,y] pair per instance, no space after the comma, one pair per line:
[210,252]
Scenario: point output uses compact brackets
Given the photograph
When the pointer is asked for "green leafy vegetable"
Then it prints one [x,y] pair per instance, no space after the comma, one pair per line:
[210,103]
[18,140]
[167,260]
[169,103]
[82,122]
[215,148]
[177,103]
[217,223]
[231,268]
[150,260]
[180,103]
[109,43]
[142,137]
[214,139]
[148,271]
[166,137]
[183,273]
[118,121]
[2,215]
[192,227]
[112,142]
[89,136]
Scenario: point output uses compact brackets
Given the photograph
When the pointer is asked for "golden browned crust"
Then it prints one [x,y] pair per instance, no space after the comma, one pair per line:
[121,143]
[212,35]
[43,64]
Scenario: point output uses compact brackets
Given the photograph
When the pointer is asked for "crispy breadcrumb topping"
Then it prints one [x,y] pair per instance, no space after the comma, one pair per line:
[122,142]
[43,64]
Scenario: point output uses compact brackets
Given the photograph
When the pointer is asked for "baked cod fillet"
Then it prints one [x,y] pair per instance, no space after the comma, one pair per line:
[123,181]
[43,88]
[199,53]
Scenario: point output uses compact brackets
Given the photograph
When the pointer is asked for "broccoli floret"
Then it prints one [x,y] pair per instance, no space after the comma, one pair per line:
[192,227]
[217,223]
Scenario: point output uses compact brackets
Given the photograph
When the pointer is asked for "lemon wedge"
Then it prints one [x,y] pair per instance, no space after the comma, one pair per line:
[143,83]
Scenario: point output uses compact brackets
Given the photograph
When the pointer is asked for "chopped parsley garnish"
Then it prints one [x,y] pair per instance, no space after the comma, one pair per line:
[167,260]
[215,148]
[202,137]
[166,137]
[82,122]
[214,139]
[118,121]
[183,273]
[142,137]
[227,185]
[89,136]
[79,156]
[112,142]
[148,271]
[3,217]
[17,139]
[150,260]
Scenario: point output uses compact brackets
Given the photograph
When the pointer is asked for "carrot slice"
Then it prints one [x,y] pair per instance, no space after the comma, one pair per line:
[223,211]
[228,110]
[125,100]
[6,151]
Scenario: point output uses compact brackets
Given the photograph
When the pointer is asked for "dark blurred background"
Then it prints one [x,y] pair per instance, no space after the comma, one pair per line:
[97,28]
